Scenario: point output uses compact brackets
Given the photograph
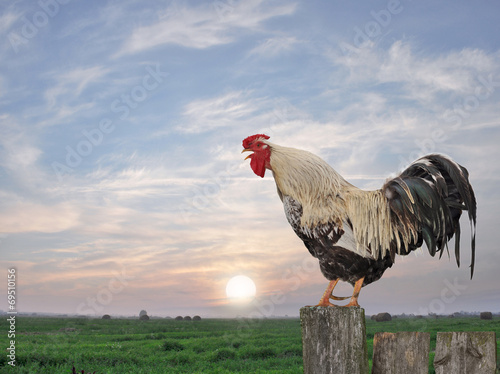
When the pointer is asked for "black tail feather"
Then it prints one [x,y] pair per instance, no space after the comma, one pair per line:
[457,244]
[429,196]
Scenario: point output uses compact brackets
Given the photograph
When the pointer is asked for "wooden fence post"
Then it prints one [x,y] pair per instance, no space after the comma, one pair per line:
[401,352]
[334,340]
[465,352]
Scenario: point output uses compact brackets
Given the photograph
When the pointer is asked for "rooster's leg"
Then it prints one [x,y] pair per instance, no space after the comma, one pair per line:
[325,299]
[355,294]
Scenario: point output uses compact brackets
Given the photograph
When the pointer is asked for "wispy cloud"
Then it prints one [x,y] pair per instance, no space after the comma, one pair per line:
[71,83]
[29,216]
[203,26]
[20,156]
[274,46]
[7,19]
[226,110]
[450,72]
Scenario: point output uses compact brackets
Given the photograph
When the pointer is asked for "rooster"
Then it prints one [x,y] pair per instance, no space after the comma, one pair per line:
[356,234]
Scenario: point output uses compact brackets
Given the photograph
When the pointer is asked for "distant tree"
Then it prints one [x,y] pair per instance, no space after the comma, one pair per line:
[144,317]
[196,318]
[179,318]
[143,313]
[187,318]
[486,315]
[106,316]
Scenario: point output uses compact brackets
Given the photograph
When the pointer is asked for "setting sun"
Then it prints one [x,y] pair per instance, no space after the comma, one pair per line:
[241,288]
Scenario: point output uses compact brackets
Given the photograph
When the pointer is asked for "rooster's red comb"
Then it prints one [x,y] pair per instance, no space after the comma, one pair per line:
[251,138]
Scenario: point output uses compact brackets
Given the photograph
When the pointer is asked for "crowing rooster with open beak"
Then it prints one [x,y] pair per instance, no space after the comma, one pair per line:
[356,234]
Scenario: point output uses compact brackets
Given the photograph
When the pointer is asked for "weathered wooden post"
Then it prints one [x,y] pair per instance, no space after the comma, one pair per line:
[334,340]
[465,352]
[401,352]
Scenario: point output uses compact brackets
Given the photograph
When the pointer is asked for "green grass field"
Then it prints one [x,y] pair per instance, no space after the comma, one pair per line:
[55,345]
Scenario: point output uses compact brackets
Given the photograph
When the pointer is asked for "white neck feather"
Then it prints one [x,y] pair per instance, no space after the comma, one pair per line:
[311,181]
[326,196]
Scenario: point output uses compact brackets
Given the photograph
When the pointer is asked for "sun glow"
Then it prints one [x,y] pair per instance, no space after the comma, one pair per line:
[240,288]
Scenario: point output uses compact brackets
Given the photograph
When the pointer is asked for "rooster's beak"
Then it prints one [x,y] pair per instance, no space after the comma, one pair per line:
[247,150]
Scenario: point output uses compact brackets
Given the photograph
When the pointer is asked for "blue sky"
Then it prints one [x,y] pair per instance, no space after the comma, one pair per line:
[122,183]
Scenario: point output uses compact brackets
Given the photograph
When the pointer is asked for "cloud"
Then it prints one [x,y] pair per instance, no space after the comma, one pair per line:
[73,92]
[17,152]
[20,154]
[398,102]
[275,46]
[7,19]
[449,72]
[203,26]
[222,111]
[72,83]
[22,217]
[424,76]
[241,113]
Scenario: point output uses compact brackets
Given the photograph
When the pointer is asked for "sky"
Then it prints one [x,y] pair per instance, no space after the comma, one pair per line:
[122,185]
